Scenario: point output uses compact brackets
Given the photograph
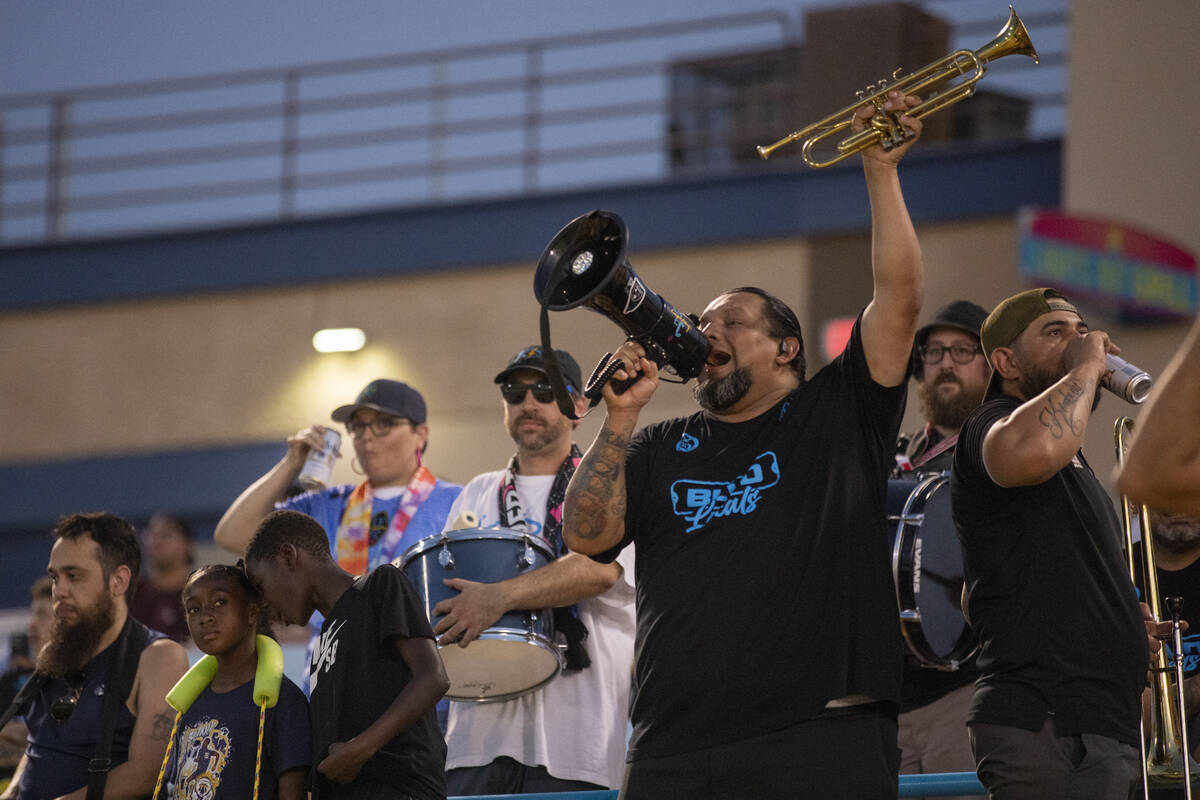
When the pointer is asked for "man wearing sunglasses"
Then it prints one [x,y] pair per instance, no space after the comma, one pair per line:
[951,377]
[568,735]
[95,649]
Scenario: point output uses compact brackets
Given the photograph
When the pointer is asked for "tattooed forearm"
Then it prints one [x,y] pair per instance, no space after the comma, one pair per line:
[596,494]
[1060,413]
[163,722]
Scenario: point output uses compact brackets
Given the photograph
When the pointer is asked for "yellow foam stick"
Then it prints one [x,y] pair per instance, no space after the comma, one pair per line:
[267,677]
[269,674]
[194,681]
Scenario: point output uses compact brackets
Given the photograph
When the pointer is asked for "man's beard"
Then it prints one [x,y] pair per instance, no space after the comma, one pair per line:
[538,439]
[71,645]
[1175,531]
[948,412]
[1035,382]
[718,394]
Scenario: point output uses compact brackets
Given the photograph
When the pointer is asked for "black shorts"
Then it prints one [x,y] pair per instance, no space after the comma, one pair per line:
[848,754]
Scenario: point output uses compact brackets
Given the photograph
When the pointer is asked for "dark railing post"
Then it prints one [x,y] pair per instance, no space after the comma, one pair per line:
[56,169]
[533,103]
[288,145]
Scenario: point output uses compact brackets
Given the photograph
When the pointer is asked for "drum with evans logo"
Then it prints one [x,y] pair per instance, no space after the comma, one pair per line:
[927,568]
[518,653]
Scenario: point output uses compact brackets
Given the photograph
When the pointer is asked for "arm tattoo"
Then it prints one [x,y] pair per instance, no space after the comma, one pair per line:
[594,489]
[163,722]
[1059,415]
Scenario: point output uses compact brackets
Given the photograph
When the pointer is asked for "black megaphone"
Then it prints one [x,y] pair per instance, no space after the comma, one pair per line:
[585,265]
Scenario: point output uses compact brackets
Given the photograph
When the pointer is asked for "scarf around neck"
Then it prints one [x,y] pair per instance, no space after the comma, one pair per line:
[512,515]
[352,545]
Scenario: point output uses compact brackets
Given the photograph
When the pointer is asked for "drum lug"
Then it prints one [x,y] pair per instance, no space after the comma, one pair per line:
[910,615]
[526,559]
[446,558]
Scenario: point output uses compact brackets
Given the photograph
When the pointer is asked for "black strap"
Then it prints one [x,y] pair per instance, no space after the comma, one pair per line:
[562,397]
[121,673]
[20,703]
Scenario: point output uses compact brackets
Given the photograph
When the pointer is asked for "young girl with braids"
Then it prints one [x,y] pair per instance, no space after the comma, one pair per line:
[221,747]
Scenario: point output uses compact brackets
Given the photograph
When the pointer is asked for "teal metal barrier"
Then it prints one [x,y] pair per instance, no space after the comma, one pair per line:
[935,784]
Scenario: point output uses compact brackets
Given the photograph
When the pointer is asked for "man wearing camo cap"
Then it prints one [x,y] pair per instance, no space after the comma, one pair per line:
[1063,653]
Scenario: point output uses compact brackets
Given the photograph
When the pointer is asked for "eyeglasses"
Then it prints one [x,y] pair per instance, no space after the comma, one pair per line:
[514,393]
[959,354]
[380,426]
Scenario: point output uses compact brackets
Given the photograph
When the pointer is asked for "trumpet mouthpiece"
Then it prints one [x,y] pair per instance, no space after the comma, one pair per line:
[765,152]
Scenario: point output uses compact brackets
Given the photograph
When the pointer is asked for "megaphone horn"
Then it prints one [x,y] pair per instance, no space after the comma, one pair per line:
[585,265]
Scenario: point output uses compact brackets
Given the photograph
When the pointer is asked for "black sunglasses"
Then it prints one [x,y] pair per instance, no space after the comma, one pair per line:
[514,393]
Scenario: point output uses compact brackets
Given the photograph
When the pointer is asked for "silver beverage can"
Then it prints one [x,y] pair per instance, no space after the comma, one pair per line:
[319,464]
[1125,380]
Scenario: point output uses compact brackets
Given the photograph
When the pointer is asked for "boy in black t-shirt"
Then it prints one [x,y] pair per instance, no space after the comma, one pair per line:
[375,673]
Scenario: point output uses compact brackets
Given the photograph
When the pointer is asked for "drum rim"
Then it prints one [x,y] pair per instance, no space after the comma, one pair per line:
[493,634]
[498,534]
[967,644]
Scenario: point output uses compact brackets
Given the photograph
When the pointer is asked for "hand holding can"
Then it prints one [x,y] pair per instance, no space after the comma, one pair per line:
[319,464]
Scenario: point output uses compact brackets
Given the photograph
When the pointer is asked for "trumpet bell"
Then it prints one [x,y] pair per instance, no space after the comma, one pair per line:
[948,80]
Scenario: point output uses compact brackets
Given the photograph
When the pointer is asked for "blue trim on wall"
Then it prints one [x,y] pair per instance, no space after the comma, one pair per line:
[939,186]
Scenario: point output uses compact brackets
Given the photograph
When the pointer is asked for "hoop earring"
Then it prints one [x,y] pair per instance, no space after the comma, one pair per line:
[354,467]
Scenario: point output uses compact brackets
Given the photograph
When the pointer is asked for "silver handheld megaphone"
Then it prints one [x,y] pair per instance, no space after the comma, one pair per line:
[1126,381]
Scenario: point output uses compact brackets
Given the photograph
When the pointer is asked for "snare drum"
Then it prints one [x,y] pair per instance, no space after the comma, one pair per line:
[927,568]
[517,654]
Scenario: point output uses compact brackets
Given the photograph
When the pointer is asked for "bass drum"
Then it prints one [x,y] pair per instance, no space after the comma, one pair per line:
[927,568]
[518,653]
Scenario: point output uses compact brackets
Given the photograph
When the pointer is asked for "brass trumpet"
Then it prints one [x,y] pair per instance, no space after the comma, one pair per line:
[1165,757]
[884,128]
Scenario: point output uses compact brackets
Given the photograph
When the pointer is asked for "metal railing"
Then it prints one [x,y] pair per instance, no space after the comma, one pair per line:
[440,125]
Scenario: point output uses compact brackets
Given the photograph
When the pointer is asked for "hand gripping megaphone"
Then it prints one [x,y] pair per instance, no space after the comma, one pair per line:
[585,265]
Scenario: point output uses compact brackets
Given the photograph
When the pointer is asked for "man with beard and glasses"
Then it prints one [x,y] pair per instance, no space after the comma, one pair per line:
[93,568]
[1063,651]
[568,735]
[768,653]
[951,375]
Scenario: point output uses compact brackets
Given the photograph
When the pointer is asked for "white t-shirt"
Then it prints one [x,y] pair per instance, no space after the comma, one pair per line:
[576,725]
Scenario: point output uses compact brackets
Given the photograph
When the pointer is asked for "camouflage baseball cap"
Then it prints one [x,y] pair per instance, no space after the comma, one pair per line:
[1010,319]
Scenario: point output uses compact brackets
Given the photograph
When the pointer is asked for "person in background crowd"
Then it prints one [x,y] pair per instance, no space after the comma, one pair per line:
[951,376]
[22,660]
[167,550]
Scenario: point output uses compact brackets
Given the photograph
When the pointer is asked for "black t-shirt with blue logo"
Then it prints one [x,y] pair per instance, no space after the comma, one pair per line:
[1049,595]
[355,675]
[214,752]
[764,587]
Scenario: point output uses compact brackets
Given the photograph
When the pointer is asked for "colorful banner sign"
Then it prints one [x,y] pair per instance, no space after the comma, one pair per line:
[1140,276]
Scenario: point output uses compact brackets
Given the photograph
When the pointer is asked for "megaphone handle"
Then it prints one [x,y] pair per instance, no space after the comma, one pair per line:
[601,375]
